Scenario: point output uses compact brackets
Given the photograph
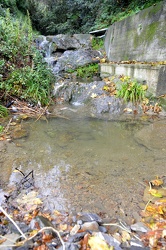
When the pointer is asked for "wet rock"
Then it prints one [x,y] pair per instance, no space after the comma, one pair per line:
[88,217]
[139,226]
[70,246]
[75,229]
[9,238]
[109,240]
[90,226]
[136,243]
[90,96]
[138,248]
[74,59]
[27,245]
[66,41]
[153,140]
[102,229]
[24,228]
[19,133]
[77,237]
[41,222]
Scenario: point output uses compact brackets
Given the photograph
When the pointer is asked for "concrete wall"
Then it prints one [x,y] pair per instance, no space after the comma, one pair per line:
[141,37]
[153,76]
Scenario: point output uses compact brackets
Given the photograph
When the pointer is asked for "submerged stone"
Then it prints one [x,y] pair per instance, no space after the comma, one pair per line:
[87,217]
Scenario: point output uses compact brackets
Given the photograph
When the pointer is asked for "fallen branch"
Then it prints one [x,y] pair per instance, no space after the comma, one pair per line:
[48,228]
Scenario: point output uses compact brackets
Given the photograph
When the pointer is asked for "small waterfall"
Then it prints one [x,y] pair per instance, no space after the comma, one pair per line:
[46,47]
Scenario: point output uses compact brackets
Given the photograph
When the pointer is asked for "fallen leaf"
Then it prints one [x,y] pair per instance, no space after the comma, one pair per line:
[125,236]
[98,244]
[157,182]
[2,240]
[63,227]
[155,193]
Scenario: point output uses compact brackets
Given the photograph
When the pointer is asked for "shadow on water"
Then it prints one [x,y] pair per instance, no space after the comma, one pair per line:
[88,164]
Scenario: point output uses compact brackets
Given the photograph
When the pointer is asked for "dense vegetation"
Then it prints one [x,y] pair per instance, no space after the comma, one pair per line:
[23,74]
[74,16]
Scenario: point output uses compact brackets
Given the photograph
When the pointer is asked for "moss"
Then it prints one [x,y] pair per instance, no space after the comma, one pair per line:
[151,31]
[149,12]
[147,34]
[155,9]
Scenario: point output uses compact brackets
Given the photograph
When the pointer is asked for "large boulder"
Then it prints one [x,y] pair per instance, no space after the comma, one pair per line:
[66,42]
[91,97]
[72,59]
[65,52]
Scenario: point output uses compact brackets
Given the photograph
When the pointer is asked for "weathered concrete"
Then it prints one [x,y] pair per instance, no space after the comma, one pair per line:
[153,76]
[141,37]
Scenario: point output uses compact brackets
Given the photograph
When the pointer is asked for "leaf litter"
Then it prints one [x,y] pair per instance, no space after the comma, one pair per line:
[56,228]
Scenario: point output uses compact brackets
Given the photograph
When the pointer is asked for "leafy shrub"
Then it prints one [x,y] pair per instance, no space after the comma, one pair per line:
[130,90]
[23,73]
[87,71]
[97,43]
[3,113]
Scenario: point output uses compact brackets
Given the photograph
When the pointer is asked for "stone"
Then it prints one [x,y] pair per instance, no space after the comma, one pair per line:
[70,246]
[76,237]
[41,221]
[102,229]
[72,59]
[90,226]
[111,241]
[88,217]
[9,238]
[137,245]
[24,228]
[75,229]
[139,226]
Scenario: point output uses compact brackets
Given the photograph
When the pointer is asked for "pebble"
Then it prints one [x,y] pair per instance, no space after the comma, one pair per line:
[87,217]
[75,229]
[139,226]
[41,221]
[109,239]
[90,226]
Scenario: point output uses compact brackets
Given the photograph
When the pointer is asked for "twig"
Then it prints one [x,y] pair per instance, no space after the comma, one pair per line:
[5,238]
[5,213]
[48,228]
[148,203]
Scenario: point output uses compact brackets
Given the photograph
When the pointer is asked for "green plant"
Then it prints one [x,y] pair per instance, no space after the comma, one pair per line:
[88,71]
[3,113]
[1,129]
[97,43]
[130,90]
[23,73]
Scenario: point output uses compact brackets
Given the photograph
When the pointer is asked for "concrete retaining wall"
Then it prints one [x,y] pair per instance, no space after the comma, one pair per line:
[141,37]
[153,76]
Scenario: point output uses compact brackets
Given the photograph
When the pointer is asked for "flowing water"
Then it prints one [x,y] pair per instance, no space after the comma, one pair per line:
[86,164]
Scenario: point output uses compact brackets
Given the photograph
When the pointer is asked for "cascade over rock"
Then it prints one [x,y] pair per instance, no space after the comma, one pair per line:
[66,52]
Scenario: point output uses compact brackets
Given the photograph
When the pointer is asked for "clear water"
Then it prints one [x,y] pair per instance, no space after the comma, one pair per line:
[89,164]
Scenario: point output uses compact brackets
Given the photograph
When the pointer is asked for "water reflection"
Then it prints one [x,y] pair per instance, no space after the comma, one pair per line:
[88,164]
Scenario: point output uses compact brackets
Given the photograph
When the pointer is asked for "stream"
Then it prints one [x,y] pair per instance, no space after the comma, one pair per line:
[87,164]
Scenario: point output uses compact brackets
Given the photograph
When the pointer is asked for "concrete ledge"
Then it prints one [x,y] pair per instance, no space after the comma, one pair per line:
[153,76]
